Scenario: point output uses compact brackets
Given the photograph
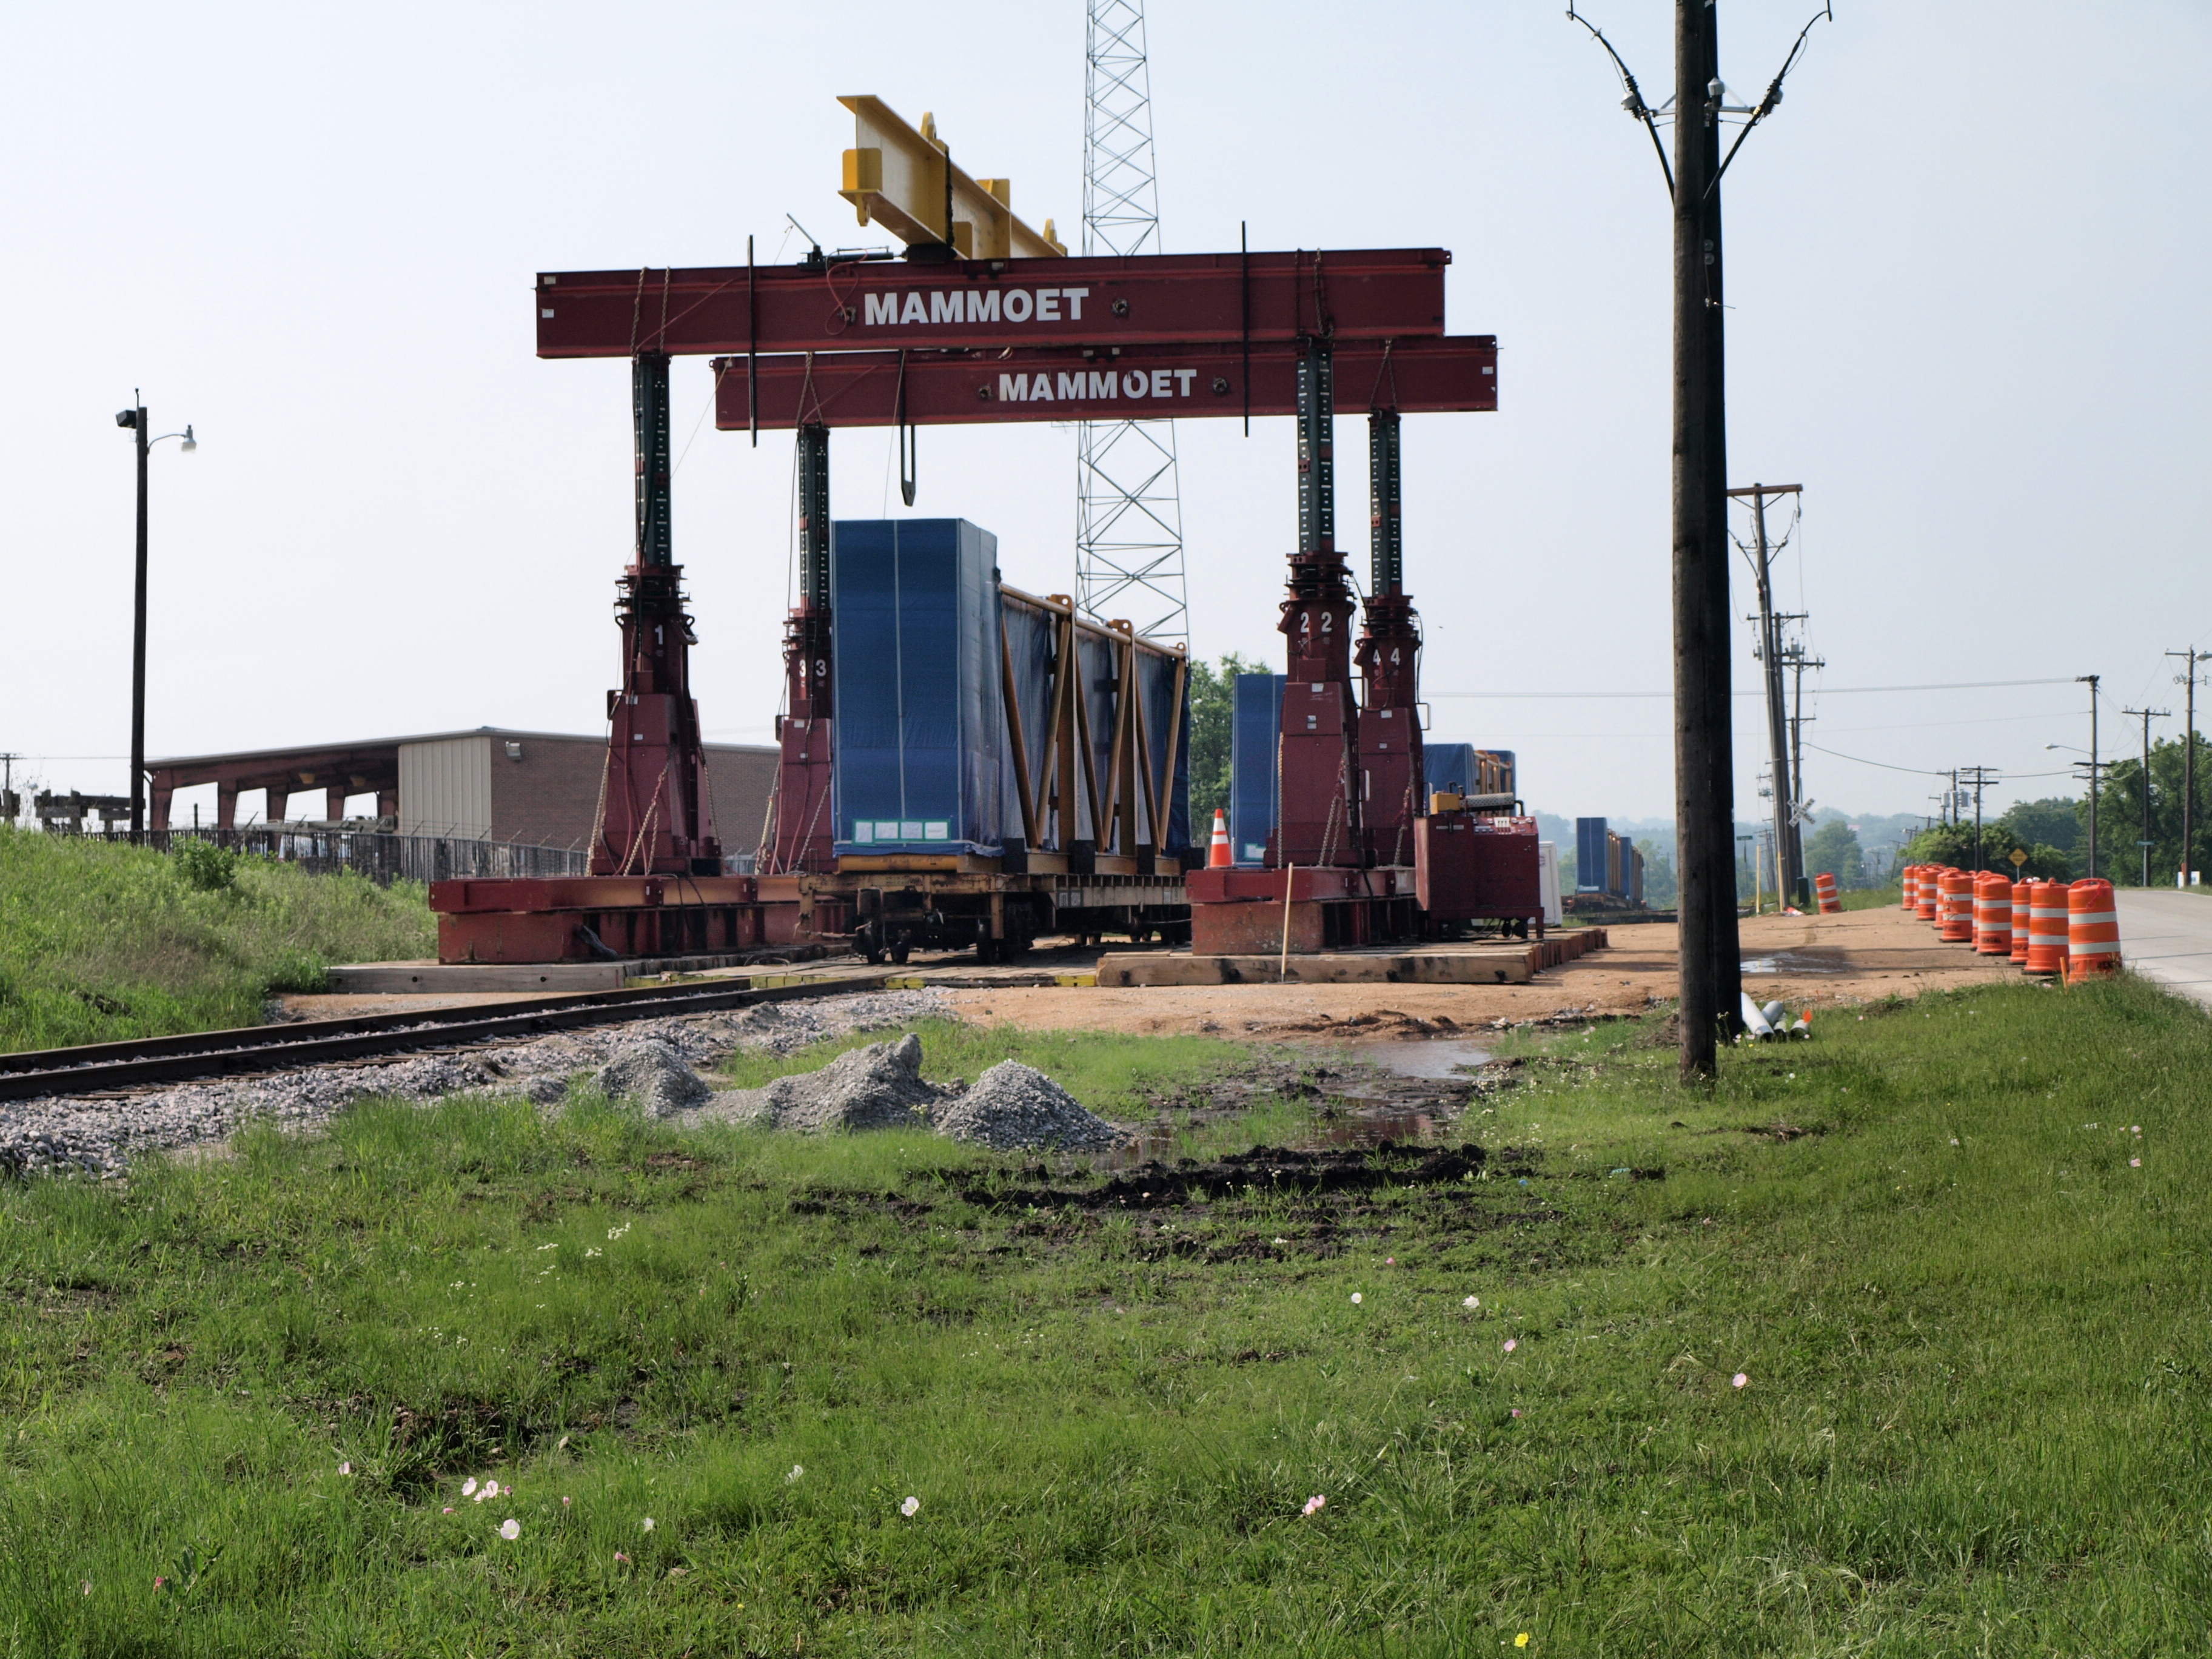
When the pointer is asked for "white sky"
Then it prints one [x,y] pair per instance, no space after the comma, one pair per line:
[1966,261]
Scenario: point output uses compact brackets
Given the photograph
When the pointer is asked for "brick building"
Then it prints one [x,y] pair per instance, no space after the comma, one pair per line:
[537,787]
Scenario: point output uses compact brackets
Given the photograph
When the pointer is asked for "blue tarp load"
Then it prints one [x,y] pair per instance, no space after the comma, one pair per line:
[927,644]
[1255,760]
[921,724]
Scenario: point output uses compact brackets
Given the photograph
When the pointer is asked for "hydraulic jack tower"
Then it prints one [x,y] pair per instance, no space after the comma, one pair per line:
[1390,771]
[804,820]
[1319,825]
[656,815]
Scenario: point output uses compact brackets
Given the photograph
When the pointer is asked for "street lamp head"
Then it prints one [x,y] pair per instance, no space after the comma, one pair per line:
[190,443]
[126,417]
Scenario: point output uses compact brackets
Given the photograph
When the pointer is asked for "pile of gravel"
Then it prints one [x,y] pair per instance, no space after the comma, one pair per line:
[877,1087]
[1013,1106]
[653,1071]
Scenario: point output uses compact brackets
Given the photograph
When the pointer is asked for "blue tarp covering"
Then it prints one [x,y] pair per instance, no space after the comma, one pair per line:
[1254,757]
[921,744]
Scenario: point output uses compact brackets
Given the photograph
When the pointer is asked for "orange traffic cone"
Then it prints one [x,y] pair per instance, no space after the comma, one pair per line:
[1217,856]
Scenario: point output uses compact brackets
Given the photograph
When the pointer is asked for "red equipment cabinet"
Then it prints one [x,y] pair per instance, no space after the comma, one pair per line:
[1478,869]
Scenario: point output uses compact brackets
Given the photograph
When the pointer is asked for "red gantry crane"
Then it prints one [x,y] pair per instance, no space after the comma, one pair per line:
[985,320]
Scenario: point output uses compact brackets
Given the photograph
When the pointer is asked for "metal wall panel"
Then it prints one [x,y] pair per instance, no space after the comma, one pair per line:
[445,787]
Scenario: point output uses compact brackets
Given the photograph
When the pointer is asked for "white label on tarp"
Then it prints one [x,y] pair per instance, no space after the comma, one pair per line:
[936,829]
[909,829]
[864,833]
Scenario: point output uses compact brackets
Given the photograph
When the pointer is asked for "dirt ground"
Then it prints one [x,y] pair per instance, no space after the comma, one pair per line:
[1796,960]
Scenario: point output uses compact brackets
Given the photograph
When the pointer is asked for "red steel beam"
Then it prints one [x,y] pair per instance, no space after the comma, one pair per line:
[852,305]
[950,388]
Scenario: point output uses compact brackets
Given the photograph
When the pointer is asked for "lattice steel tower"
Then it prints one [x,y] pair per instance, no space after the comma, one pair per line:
[1128,509]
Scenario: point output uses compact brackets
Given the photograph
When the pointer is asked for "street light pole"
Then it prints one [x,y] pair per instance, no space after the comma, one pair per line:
[138,637]
[135,418]
[2090,680]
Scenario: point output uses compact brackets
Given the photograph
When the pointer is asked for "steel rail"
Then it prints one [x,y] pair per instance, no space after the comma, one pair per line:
[262,1048]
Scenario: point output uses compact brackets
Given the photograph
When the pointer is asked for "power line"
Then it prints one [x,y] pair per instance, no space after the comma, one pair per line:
[1826,691]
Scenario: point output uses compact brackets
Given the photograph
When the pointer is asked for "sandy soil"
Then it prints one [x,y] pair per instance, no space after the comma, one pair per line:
[1795,959]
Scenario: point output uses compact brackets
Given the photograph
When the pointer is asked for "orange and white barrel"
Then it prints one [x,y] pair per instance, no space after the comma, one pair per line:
[1992,915]
[1955,922]
[2022,897]
[1926,905]
[2093,931]
[1825,886]
[1909,886]
[2046,929]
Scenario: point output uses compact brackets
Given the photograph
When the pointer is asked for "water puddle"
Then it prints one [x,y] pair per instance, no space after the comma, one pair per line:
[1441,1059]
[1793,961]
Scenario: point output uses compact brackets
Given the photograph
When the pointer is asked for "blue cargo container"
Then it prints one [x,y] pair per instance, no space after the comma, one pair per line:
[1450,767]
[1255,763]
[1591,856]
[921,722]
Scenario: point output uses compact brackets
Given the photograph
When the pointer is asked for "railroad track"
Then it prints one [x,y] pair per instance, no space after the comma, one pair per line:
[99,1067]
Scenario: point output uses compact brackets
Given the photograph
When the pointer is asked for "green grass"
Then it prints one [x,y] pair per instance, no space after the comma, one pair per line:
[100,943]
[1979,1375]
[1891,897]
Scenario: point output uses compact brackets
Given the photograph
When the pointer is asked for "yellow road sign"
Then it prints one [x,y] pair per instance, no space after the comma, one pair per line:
[2019,858]
[902,179]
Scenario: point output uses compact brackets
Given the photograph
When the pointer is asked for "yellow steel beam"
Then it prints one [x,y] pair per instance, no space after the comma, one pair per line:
[904,179]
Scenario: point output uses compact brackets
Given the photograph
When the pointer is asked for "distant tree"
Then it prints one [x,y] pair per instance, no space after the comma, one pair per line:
[1661,888]
[1834,849]
[2055,820]
[1952,844]
[2120,815]
[1212,703]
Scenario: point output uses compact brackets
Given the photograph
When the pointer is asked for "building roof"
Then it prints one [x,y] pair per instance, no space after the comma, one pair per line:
[357,744]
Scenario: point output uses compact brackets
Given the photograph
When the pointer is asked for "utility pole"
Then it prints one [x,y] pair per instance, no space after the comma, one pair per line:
[2189,762]
[1981,775]
[2090,681]
[1712,965]
[2147,713]
[1704,817]
[1799,805]
[1789,873]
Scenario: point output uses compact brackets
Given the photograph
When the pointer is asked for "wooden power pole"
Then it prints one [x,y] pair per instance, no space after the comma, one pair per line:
[1705,795]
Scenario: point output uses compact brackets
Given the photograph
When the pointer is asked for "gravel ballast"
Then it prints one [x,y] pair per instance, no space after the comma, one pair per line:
[98,1136]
